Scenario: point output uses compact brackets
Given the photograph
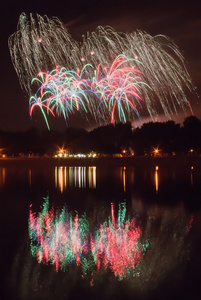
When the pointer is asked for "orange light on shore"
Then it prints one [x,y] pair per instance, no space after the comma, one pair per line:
[61,150]
[156,151]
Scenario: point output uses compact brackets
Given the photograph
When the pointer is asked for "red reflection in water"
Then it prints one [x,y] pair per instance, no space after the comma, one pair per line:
[61,239]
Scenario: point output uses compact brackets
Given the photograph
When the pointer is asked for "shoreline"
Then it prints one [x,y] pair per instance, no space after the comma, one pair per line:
[102,161]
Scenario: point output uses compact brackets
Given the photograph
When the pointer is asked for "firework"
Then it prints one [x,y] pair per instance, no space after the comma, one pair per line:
[119,86]
[40,44]
[61,91]
[64,91]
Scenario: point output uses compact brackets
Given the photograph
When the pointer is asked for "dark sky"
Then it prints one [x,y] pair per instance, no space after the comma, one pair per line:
[180,20]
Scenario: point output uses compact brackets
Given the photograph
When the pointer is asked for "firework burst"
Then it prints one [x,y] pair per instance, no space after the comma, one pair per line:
[65,91]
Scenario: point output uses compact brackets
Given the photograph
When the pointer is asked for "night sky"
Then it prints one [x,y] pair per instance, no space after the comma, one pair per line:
[180,20]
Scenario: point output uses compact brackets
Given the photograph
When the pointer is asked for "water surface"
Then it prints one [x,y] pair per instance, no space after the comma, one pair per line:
[157,237]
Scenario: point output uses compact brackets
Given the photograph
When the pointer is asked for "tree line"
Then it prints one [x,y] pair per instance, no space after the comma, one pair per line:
[170,137]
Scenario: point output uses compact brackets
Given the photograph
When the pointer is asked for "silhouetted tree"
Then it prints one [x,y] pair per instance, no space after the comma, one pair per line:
[191,133]
[123,136]
[156,135]
[168,136]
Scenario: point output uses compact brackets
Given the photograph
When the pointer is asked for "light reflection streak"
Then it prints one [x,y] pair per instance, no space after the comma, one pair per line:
[61,179]
[132,176]
[192,175]
[83,177]
[71,176]
[94,177]
[124,178]
[156,178]
[29,177]
[65,176]
[55,177]
[75,176]
[2,177]
[80,177]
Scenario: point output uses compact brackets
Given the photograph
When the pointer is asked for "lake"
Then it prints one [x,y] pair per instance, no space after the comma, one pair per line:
[121,228]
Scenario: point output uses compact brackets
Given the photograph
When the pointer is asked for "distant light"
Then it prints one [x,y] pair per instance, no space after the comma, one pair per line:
[156,151]
[157,168]
[40,40]
[192,167]
[92,52]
